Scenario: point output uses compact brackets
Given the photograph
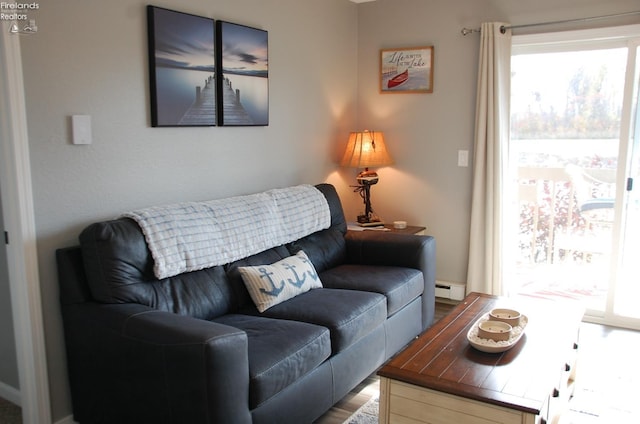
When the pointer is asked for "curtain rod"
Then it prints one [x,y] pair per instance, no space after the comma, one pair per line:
[503,28]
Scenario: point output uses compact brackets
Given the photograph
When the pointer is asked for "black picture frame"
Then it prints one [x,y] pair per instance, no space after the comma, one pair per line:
[243,75]
[182,69]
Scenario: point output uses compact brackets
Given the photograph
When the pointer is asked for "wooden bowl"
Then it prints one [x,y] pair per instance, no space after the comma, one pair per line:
[494,330]
[510,316]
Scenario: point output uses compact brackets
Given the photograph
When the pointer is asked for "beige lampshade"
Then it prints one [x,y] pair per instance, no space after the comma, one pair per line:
[366,149]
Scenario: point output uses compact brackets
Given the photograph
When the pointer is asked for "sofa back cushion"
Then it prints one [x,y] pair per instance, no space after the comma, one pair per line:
[119,267]
[337,214]
[325,248]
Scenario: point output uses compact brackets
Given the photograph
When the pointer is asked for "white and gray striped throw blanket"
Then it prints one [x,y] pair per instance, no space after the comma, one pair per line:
[196,235]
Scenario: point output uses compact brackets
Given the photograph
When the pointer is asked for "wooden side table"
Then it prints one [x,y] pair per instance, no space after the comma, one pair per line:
[411,229]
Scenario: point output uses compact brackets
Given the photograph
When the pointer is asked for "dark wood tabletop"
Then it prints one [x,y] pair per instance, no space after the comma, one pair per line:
[521,378]
[409,229]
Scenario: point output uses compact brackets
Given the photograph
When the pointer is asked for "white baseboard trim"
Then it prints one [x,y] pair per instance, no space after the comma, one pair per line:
[450,290]
[10,393]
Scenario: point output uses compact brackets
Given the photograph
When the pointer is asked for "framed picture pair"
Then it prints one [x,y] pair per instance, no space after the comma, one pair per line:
[204,72]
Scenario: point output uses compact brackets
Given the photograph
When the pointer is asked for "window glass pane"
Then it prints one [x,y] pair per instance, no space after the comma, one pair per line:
[575,95]
[565,128]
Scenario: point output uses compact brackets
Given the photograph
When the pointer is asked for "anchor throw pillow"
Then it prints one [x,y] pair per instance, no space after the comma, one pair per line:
[269,285]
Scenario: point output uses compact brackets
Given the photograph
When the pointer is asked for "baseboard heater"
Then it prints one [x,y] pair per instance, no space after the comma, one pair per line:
[450,290]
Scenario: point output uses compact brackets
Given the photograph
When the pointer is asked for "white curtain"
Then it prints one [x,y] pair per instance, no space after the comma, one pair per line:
[485,272]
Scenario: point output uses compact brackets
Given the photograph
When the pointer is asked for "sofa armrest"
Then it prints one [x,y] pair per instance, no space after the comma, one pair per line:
[379,248]
[161,367]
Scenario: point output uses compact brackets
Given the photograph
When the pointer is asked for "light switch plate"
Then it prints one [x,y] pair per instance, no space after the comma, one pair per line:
[463,158]
[81,125]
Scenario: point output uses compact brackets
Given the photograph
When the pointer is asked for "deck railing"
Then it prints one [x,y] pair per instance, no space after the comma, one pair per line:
[552,226]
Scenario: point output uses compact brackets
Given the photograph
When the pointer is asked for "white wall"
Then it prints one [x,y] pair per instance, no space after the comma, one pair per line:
[90,57]
[425,131]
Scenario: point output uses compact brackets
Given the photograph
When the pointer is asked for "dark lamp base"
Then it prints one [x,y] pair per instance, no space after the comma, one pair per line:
[365,221]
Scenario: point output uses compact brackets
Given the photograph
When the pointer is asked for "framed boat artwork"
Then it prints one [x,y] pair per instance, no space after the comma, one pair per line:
[406,70]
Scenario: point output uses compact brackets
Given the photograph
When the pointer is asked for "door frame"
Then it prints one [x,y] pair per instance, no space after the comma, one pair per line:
[627,147]
[19,217]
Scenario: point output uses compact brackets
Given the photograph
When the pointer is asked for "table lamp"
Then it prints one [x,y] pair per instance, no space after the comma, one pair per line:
[366,149]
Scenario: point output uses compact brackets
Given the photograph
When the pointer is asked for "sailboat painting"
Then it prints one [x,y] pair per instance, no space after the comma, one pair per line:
[406,70]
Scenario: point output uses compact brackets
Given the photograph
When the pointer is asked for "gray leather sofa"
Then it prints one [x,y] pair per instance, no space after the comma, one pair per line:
[194,349]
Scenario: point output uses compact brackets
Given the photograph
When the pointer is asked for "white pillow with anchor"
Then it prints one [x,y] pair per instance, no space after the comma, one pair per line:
[269,285]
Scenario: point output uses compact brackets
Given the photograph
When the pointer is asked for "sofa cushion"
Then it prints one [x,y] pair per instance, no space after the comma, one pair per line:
[269,285]
[237,285]
[338,221]
[280,352]
[119,269]
[348,314]
[325,249]
[399,285]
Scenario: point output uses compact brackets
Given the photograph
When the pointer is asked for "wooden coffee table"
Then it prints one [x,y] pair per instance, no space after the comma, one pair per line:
[441,378]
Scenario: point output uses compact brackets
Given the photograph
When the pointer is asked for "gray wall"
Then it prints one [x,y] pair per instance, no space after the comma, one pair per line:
[89,57]
[425,131]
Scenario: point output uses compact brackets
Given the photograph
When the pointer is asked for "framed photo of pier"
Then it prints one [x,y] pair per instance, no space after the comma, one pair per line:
[182,67]
[406,70]
[243,75]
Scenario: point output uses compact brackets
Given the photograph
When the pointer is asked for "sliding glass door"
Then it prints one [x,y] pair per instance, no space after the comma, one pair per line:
[574,109]
[622,303]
